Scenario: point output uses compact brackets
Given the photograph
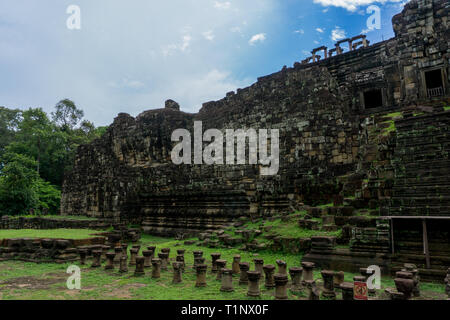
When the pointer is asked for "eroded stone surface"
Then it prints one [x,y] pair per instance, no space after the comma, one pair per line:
[322,110]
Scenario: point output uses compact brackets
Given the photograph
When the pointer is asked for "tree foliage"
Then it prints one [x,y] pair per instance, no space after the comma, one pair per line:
[67,115]
[18,178]
[35,151]
[9,120]
[21,188]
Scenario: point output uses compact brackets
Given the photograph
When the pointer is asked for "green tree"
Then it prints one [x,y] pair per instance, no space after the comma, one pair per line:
[36,151]
[18,178]
[49,197]
[21,188]
[9,121]
[38,138]
[67,115]
[99,131]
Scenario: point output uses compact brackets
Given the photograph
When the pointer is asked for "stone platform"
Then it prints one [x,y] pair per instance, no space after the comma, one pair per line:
[11,222]
[45,250]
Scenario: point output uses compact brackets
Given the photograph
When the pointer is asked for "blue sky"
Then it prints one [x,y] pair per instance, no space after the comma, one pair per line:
[130,56]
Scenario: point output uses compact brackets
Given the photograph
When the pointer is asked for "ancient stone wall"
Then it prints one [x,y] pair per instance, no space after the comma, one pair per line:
[44,250]
[320,108]
[7,222]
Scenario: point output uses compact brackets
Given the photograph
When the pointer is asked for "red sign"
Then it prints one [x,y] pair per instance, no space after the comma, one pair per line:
[360,291]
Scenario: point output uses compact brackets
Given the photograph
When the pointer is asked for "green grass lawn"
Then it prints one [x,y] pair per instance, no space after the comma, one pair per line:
[53,233]
[19,280]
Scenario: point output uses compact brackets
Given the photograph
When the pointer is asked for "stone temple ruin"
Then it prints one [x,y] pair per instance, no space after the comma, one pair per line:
[369,125]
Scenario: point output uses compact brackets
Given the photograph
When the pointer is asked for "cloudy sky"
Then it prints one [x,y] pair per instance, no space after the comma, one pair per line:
[130,56]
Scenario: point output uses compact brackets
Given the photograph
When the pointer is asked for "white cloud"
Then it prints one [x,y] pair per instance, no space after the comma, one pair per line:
[320,30]
[222,5]
[209,35]
[260,37]
[186,42]
[300,31]
[127,83]
[236,30]
[210,85]
[352,5]
[122,68]
[169,50]
[338,34]
[172,48]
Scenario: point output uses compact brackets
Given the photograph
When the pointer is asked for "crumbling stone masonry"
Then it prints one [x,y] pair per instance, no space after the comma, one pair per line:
[7,222]
[321,109]
[49,250]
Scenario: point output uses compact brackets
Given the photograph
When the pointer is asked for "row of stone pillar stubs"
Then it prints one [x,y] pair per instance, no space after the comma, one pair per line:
[267,275]
[11,222]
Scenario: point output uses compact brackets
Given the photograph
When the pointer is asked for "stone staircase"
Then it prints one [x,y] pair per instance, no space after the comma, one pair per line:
[422,166]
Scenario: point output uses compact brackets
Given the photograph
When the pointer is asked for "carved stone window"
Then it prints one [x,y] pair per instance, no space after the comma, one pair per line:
[434,83]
